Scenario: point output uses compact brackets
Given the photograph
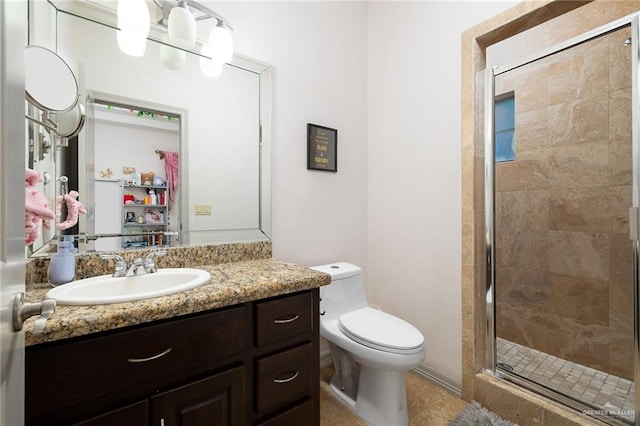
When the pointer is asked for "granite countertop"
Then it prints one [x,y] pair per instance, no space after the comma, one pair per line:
[230,284]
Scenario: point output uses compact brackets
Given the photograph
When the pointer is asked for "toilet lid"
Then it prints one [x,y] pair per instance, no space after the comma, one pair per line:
[382,331]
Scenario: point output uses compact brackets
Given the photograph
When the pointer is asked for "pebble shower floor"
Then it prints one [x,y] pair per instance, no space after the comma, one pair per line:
[586,384]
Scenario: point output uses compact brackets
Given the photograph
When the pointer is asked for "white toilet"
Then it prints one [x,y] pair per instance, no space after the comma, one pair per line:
[371,349]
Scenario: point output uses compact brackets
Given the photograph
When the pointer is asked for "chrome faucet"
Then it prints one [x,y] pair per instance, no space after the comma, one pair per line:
[136,268]
[149,262]
[121,266]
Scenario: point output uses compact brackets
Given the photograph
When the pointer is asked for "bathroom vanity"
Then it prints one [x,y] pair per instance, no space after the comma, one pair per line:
[242,349]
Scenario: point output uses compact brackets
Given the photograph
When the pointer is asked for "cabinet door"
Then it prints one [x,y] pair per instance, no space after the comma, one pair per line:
[215,401]
[135,414]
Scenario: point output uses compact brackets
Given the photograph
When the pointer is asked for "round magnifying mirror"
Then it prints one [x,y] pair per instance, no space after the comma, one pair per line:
[70,122]
[49,82]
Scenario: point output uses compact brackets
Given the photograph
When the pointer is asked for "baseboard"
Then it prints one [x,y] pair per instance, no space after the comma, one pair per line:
[325,358]
[433,377]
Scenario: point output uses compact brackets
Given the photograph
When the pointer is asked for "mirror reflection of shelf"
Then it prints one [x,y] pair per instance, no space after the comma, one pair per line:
[139,213]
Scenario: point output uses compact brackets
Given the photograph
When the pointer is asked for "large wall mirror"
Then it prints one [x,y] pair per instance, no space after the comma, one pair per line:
[136,110]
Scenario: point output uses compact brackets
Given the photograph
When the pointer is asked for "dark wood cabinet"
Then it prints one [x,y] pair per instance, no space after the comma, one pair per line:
[134,414]
[279,319]
[214,401]
[250,364]
[283,377]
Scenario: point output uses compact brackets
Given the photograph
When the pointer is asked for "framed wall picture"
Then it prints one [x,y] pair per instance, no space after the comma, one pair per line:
[322,148]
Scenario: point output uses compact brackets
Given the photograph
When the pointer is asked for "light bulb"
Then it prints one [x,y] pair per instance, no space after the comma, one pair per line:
[171,57]
[221,44]
[182,28]
[134,23]
[209,67]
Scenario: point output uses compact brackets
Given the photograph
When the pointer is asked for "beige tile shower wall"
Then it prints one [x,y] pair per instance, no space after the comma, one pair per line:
[561,224]
[544,23]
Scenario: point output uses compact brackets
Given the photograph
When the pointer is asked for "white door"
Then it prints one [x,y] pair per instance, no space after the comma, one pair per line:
[13,39]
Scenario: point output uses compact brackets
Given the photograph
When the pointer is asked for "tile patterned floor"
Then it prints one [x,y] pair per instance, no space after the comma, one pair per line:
[592,386]
[428,404]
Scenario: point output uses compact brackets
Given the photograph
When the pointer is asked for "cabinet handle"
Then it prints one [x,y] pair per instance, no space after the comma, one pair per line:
[288,379]
[286,320]
[151,358]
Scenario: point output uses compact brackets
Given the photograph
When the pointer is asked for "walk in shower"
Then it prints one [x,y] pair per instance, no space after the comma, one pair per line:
[561,174]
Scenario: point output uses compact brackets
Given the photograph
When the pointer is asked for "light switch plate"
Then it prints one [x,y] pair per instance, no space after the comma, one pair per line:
[203,209]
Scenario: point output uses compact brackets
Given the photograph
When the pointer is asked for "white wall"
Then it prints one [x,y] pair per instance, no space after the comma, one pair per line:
[387,76]
[318,51]
[414,163]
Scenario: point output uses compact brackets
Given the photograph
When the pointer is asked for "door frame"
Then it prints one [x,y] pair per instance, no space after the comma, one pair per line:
[490,358]
[13,40]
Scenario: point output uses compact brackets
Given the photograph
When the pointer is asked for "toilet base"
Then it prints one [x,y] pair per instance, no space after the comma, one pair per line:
[381,399]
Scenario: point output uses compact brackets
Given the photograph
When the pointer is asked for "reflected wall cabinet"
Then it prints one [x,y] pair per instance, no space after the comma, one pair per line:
[145,216]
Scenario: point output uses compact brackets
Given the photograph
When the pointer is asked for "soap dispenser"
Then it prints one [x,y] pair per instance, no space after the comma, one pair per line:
[62,265]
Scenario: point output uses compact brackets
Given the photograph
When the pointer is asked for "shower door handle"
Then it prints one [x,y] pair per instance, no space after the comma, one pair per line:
[634,226]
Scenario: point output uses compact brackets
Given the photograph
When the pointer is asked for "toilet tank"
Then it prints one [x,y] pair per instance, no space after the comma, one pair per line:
[346,291]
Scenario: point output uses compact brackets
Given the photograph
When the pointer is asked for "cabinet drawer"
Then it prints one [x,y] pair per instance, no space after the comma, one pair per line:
[283,377]
[282,318]
[129,363]
[300,415]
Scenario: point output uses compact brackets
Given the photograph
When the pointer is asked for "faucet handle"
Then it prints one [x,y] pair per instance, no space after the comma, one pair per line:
[155,253]
[121,265]
[149,262]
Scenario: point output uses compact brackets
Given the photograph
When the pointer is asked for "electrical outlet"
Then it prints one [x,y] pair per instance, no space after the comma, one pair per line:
[203,209]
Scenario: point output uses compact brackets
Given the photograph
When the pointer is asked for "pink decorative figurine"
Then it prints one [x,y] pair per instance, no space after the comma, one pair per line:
[36,207]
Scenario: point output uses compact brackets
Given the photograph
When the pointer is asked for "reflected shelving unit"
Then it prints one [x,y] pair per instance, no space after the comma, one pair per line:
[140,215]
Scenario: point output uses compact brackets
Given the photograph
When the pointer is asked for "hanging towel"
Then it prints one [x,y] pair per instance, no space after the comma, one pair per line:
[36,207]
[172,170]
[74,208]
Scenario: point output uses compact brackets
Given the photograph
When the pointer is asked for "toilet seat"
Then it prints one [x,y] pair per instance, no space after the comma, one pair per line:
[381,331]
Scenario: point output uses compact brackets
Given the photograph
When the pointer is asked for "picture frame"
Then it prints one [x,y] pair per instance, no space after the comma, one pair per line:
[154,216]
[130,217]
[322,148]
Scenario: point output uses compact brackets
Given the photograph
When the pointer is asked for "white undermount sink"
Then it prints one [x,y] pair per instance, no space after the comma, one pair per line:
[107,289]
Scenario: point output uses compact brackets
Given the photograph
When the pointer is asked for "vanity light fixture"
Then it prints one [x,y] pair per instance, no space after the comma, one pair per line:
[209,66]
[171,57]
[182,26]
[221,43]
[180,17]
[134,23]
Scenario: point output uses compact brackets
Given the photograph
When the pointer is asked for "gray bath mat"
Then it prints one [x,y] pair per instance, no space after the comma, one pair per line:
[476,415]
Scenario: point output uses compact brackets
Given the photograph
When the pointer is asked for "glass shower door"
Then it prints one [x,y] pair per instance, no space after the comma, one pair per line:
[563,260]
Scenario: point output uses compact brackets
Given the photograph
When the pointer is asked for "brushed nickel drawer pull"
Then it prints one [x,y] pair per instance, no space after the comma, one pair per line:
[151,358]
[286,320]
[288,379]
